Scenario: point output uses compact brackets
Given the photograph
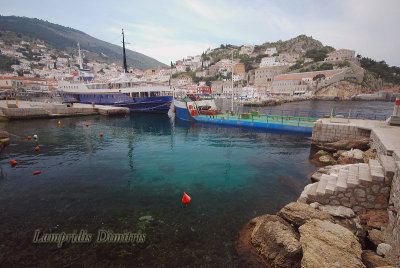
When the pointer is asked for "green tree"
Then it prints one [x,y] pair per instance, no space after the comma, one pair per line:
[6,63]
[317,54]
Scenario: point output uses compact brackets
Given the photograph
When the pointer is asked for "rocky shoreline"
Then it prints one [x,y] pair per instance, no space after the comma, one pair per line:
[317,235]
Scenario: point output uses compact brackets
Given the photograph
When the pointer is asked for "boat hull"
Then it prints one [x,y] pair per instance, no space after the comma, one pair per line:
[160,104]
[183,109]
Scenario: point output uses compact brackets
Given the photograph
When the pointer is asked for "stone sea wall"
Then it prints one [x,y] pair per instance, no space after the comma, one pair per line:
[392,232]
[362,186]
[323,132]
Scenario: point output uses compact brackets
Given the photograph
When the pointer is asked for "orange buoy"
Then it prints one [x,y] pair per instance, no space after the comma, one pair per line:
[13,162]
[37,148]
[63,126]
[36,172]
[29,137]
[101,134]
[185,198]
[87,125]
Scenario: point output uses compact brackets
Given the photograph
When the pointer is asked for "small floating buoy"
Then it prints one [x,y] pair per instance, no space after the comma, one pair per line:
[101,134]
[87,125]
[37,148]
[63,126]
[59,123]
[29,137]
[36,172]
[13,162]
[35,137]
[185,198]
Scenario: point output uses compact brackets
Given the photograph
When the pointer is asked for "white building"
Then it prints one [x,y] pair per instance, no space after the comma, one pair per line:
[247,50]
[271,51]
[340,55]
[270,61]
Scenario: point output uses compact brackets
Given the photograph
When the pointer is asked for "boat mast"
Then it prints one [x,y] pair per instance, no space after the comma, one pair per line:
[232,83]
[123,50]
[80,57]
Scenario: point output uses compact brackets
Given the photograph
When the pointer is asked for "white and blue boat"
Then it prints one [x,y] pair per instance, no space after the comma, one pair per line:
[188,107]
[123,91]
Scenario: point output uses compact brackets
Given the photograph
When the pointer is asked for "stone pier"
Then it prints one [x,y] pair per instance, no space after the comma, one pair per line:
[28,110]
[362,186]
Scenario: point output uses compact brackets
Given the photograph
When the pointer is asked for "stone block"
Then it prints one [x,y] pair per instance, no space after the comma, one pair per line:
[373,162]
[341,184]
[389,166]
[375,188]
[331,185]
[359,193]
[377,173]
[334,202]
[385,190]
[322,185]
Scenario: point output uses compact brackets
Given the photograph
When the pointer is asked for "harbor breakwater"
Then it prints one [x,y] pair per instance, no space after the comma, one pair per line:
[29,110]
[350,216]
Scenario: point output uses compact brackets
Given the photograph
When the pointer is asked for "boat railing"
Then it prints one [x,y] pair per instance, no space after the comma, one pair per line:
[265,118]
[325,114]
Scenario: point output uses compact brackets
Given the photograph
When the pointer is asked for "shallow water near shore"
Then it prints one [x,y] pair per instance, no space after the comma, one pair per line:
[141,167]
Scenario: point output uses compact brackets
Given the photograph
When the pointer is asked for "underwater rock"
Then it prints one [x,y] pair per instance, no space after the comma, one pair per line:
[146,218]
[291,184]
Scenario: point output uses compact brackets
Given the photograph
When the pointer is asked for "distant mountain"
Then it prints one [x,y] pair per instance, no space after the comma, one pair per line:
[65,38]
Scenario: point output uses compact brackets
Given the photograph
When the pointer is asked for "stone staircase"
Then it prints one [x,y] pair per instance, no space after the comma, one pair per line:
[357,186]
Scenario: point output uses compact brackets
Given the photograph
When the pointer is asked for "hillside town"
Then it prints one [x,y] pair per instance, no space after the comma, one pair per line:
[250,72]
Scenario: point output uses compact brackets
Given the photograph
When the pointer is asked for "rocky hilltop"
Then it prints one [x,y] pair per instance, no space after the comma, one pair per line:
[299,44]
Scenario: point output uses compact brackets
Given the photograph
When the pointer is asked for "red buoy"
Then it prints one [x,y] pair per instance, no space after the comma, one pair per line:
[37,148]
[13,162]
[101,134]
[185,198]
[63,126]
[29,137]
[36,172]
[87,125]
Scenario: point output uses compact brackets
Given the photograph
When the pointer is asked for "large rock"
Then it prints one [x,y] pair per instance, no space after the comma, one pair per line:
[276,241]
[338,211]
[371,260]
[369,154]
[383,249]
[355,154]
[344,145]
[326,244]
[298,213]
[375,236]
[374,219]
[327,160]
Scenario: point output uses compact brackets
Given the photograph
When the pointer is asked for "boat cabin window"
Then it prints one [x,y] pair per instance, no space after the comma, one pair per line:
[144,94]
[154,94]
[135,94]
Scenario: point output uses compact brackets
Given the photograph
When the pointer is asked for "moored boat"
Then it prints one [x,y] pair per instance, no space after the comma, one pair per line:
[123,91]
[187,107]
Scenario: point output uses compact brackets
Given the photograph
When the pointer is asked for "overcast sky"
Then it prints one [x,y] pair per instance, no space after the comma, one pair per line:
[172,29]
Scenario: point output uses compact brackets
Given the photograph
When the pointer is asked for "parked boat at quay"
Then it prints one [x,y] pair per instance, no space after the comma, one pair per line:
[120,92]
[124,91]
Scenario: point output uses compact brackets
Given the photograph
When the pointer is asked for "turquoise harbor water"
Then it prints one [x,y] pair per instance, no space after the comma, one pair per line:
[141,167]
